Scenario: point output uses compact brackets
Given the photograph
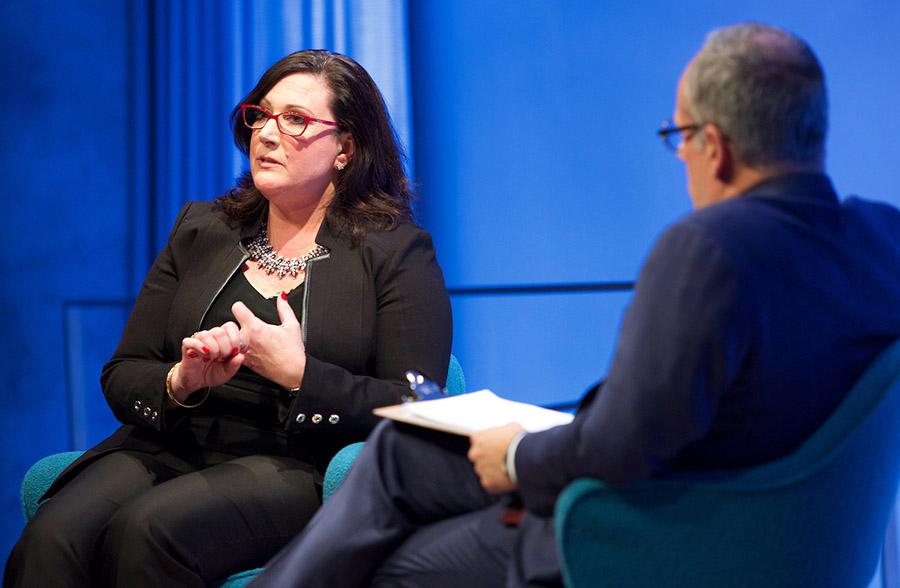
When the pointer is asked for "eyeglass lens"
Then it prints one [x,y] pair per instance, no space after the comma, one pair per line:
[673,139]
[289,123]
[670,134]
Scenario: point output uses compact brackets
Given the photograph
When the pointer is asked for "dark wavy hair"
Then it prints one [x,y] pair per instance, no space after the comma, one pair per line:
[372,192]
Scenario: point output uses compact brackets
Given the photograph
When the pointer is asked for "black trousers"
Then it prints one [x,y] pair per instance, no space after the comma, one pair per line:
[136,519]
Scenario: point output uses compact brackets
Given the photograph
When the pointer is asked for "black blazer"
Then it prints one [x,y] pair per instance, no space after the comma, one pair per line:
[371,312]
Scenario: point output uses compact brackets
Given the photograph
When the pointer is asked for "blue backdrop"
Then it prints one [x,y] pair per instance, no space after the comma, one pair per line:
[538,165]
[530,126]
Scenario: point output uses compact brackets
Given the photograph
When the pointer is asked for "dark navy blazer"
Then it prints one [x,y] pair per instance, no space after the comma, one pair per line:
[750,320]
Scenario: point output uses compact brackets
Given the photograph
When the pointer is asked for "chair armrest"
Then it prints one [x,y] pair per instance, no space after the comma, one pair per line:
[338,468]
[39,477]
[340,464]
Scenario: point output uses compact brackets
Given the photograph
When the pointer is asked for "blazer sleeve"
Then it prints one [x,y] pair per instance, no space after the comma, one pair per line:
[681,345]
[412,331]
[134,379]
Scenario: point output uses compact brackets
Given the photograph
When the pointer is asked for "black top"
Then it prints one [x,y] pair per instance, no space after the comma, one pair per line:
[245,415]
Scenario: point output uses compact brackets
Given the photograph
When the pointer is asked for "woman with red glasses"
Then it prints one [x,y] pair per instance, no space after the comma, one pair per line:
[273,321]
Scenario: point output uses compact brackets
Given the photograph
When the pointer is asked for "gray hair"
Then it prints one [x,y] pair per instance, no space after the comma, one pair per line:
[764,88]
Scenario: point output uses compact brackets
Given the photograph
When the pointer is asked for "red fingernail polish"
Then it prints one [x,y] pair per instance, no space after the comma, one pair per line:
[284,296]
[191,354]
[205,349]
[234,351]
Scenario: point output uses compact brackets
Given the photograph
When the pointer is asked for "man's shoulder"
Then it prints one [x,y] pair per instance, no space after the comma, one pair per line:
[746,216]
[738,211]
[750,218]
[713,226]
[730,234]
[762,231]
[876,210]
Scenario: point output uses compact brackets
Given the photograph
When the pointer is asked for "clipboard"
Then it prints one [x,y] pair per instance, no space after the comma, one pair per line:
[465,414]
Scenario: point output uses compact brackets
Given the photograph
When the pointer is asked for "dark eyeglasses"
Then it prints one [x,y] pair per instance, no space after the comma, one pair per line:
[673,136]
[289,123]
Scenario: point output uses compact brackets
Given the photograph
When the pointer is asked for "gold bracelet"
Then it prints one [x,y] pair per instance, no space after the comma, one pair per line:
[172,396]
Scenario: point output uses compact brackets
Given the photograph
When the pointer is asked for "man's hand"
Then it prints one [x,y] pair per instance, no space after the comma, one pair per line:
[488,454]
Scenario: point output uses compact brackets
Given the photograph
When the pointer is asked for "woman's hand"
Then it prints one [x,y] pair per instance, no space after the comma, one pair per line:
[275,352]
[208,358]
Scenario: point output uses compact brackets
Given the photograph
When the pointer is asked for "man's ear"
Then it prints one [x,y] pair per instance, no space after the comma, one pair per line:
[719,151]
[348,148]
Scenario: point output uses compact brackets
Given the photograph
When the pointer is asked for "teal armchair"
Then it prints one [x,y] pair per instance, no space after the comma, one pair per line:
[39,477]
[816,517]
[343,459]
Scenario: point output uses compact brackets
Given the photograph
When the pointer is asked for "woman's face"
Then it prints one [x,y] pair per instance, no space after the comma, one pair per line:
[296,171]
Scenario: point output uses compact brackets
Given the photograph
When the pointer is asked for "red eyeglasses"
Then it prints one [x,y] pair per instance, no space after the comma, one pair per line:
[289,123]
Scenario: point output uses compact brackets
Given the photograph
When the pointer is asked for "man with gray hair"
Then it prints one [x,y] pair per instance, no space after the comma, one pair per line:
[759,94]
[751,319]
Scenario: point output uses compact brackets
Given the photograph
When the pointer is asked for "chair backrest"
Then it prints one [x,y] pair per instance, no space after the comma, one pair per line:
[456,380]
[867,407]
[813,518]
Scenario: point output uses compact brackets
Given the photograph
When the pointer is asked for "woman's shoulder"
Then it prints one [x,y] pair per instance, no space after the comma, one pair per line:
[399,237]
[199,219]
[200,211]
[405,247]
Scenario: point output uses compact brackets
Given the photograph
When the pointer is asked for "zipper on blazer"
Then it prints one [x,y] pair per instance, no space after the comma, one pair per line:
[244,258]
[306,289]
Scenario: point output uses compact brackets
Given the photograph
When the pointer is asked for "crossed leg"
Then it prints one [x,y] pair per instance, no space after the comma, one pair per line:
[411,506]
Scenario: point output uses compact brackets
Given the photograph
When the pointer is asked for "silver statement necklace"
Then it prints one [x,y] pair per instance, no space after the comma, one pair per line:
[262,253]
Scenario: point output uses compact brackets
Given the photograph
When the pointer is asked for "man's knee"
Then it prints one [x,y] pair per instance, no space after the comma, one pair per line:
[381,444]
[384,432]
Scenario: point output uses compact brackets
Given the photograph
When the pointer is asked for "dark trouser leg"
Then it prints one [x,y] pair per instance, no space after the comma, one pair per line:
[203,526]
[475,550]
[56,547]
[405,478]
[471,550]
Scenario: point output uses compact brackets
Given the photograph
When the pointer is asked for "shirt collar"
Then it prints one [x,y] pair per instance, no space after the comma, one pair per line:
[808,185]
